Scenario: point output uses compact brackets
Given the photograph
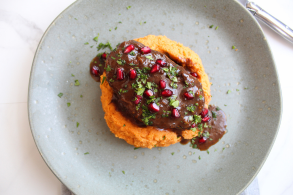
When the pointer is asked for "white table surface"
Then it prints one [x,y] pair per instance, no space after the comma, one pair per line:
[23,171]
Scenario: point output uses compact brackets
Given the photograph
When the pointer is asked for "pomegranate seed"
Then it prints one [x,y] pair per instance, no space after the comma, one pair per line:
[206,119]
[194,74]
[128,49]
[145,50]
[95,71]
[104,56]
[188,95]
[120,75]
[202,140]
[155,68]
[161,62]
[153,107]
[193,125]
[148,93]
[175,113]
[162,84]
[167,93]
[204,112]
[132,74]
[138,99]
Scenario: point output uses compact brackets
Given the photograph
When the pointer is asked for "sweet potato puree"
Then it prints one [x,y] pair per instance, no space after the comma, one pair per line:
[149,137]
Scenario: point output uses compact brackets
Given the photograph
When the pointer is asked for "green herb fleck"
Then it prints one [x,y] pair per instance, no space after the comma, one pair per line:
[223,149]
[86,43]
[128,7]
[245,87]
[68,104]
[81,96]
[97,37]
[103,80]
[211,26]
[208,152]
[199,157]
[174,103]
[149,57]
[225,105]
[237,89]
[76,83]
[136,148]
[214,114]
[123,172]
[119,22]
[233,47]
[108,68]
[164,137]
[116,28]
[77,124]
[72,75]
[216,27]
[60,95]
[173,153]
[229,91]
[86,153]
[113,58]
[132,53]
[217,108]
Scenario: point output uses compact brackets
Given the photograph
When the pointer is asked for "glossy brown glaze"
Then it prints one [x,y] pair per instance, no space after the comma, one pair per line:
[216,128]
[98,64]
[126,89]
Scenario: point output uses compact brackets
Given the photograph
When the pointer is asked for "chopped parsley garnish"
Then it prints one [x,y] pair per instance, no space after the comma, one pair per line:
[72,75]
[119,22]
[97,37]
[164,137]
[76,83]
[237,89]
[191,108]
[166,69]
[199,157]
[86,43]
[60,95]
[68,104]
[225,105]
[132,53]
[233,47]
[149,57]
[217,108]
[124,125]
[131,64]
[81,96]
[174,85]
[223,149]
[205,125]
[136,148]
[197,119]
[123,172]
[149,85]
[86,153]
[229,91]
[116,28]
[108,68]
[214,114]
[216,27]
[208,152]
[128,7]
[193,129]
[211,26]
[174,103]
[121,62]
[113,58]
[166,113]
[103,46]
[100,64]
[200,97]
[174,79]
[245,87]
[77,124]
[103,79]
[147,115]
[173,153]
[110,29]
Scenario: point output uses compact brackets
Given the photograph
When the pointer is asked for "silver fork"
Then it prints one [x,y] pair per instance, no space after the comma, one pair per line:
[272,22]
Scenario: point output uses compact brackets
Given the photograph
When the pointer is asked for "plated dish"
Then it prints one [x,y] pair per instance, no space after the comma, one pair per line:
[152,100]
[74,138]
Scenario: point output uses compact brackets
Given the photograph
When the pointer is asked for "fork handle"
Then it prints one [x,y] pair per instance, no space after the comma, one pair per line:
[272,22]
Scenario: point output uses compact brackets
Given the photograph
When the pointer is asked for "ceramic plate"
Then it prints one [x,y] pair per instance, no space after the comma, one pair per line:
[88,159]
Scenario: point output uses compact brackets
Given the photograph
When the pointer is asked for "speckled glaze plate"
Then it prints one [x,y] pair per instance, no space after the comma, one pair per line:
[88,159]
